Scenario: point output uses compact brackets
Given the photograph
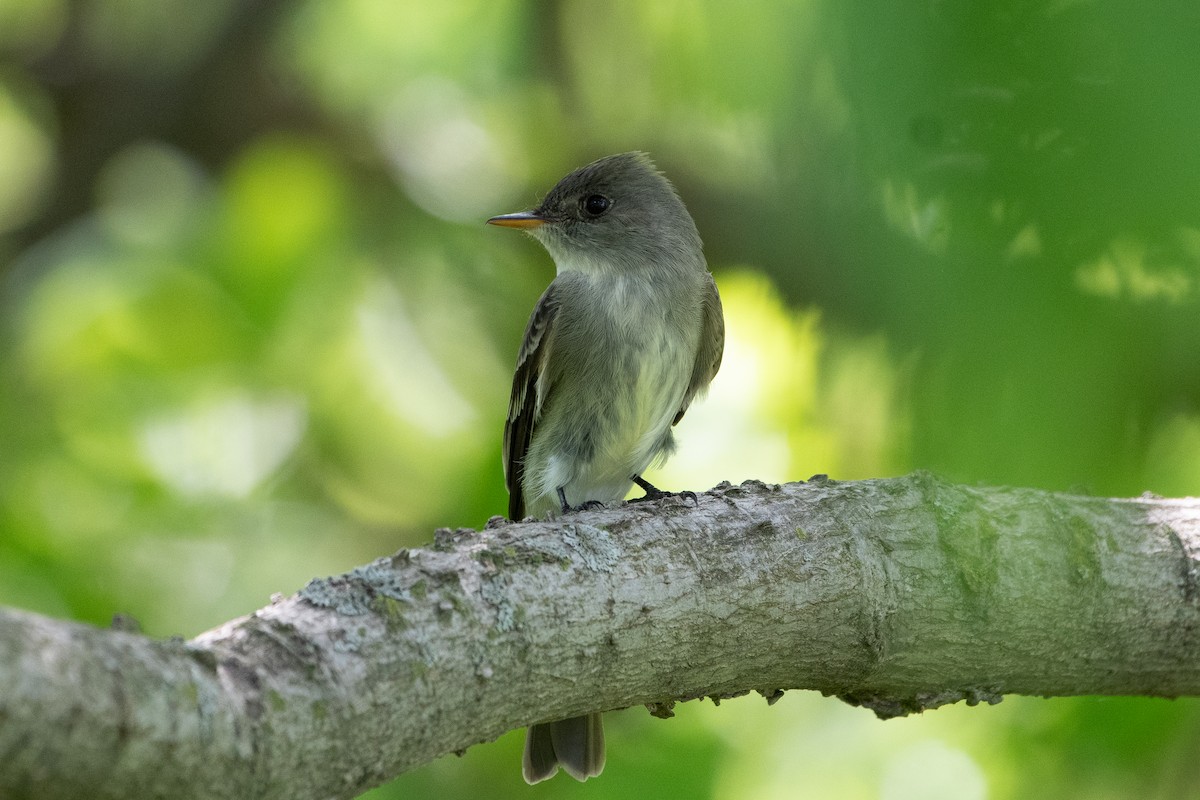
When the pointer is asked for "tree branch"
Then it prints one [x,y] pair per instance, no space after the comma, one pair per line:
[898,594]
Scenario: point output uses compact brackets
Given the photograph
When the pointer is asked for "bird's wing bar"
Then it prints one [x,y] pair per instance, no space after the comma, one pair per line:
[525,405]
[708,354]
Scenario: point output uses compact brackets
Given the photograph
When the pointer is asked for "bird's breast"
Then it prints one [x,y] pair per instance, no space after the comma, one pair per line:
[626,364]
[621,359]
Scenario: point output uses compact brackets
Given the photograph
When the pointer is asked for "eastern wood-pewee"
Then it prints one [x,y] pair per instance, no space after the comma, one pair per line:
[618,346]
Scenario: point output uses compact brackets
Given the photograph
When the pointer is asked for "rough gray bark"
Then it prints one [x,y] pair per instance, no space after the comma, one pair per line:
[897,594]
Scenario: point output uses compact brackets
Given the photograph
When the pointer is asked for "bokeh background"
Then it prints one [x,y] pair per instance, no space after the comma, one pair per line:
[253,329]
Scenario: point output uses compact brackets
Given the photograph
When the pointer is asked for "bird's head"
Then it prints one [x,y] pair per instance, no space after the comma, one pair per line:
[616,214]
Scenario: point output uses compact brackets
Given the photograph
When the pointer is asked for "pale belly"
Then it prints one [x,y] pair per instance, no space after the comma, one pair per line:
[594,439]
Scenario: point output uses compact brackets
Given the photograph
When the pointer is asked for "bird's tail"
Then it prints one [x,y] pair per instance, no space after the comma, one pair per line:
[577,744]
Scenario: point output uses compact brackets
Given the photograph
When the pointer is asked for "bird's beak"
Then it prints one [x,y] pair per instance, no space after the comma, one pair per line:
[522,219]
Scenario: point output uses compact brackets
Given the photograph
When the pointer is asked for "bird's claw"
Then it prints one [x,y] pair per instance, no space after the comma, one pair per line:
[654,493]
[586,505]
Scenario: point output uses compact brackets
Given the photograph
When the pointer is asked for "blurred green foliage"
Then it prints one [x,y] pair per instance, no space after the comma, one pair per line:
[254,331]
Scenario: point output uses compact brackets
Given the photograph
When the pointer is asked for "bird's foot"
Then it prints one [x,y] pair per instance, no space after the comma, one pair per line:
[654,493]
[586,505]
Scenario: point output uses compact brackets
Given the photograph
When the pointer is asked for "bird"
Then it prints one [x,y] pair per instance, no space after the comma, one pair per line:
[629,332]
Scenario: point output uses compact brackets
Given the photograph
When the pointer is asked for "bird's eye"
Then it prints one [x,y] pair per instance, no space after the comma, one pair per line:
[595,204]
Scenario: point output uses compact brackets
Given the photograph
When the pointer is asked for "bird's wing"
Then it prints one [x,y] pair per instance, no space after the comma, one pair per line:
[525,406]
[708,354]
